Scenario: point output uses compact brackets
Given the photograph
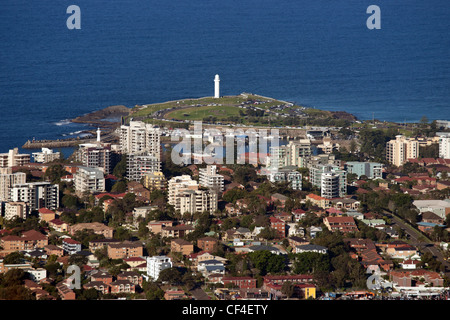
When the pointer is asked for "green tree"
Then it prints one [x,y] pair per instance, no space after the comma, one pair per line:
[309,262]
[120,169]
[14,258]
[288,289]
[54,173]
[70,201]
[153,291]
[267,262]
[170,275]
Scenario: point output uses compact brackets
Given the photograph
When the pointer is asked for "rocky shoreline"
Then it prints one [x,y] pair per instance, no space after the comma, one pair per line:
[108,119]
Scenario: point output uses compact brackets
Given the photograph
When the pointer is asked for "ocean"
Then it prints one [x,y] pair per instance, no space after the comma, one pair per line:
[315,53]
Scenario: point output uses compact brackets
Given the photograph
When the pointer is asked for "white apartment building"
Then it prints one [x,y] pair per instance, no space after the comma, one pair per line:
[186,196]
[89,180]
[156,264]
[209,178]
[13,158]
[7,180]
[15,209]
[138,137]
[196,201]
[286,175]
[330,186]
[36,195]
[295,153]
[139,164]
[401,149]
[180,183]
[444,146]
[37,274]
[45,155]
[316,177]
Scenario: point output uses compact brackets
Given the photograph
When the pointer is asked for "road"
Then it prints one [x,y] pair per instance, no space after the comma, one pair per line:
[418,240]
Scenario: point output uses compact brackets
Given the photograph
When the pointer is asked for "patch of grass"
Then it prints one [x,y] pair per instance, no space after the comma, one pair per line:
[199,113]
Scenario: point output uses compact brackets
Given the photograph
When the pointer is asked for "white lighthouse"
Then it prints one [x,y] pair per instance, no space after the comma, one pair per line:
[217,86]
[98,134]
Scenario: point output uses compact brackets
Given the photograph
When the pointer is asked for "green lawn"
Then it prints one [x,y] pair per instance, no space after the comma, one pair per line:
[224,109]
[199,113]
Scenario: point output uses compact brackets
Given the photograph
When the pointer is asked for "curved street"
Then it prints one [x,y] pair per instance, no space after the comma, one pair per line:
[418,240]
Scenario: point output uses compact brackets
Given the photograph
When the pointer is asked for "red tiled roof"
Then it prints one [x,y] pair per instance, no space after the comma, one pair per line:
[113,195]
[314,196]
[71,241]
[45,210]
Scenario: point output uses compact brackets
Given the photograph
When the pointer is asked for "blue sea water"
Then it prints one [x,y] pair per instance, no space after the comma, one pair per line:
[317,53]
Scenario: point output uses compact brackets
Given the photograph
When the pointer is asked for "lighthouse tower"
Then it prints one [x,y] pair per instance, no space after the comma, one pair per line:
[98,134]
[217,86]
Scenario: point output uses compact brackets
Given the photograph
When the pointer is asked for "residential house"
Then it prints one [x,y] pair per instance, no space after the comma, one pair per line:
[99,286]
[54,250]
[123,286]
[279,225]
[65,292]
[182,246]
[409,264]
[272,249]
[401,252]
[431,217]
[297,241]
[208,244]
[46,214]
[196,258]
[71,246]
[366,253]
[284,216]
[313,230]
[208,267]
[96,227]
[240,282]
[178,231]
[254,294]
[58,225]
[345,203]
[298,214]
[175,294]
[99,244]
[319,201]
[428,227]
[442,185]
[413,278]
[342,224]
[279,198]
[132,276]
[136,263]
[125,249]
[101,276]
[157,226]
[29,240]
